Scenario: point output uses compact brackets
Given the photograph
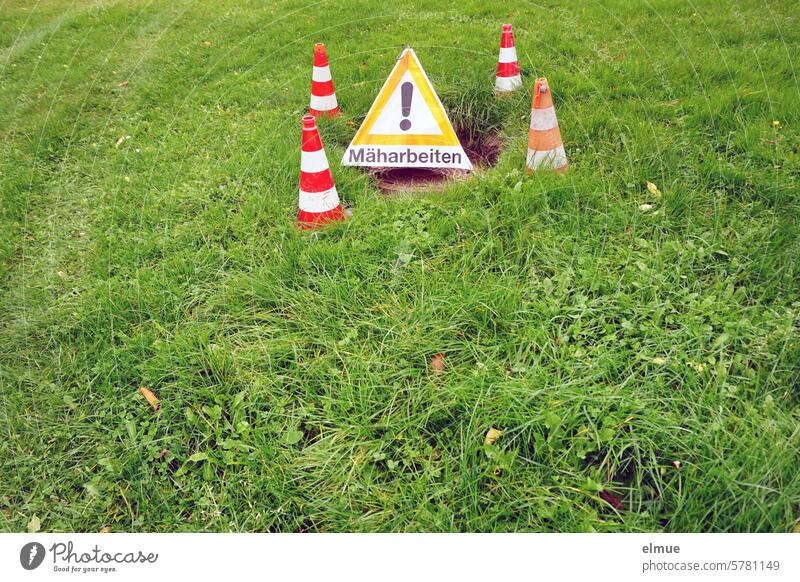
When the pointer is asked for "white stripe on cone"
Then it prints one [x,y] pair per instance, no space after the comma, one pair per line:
[543,119]
[507,55]
[321,74]
[554,158]
[317,202]
[313,162]
[323,103]
[507,83]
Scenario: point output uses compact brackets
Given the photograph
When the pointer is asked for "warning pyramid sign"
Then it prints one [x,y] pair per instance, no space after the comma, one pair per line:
[407,127]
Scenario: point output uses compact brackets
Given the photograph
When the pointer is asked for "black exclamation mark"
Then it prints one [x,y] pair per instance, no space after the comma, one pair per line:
[406,92]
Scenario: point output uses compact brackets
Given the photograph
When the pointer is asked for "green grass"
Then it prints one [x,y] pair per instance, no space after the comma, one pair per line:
[653,354]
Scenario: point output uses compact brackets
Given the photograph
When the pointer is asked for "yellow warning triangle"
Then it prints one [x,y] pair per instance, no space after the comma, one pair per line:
[407,125]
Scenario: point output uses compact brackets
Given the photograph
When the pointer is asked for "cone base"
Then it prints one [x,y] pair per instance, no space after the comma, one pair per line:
[507,84]
[329,113]
[560,170]
[307,220]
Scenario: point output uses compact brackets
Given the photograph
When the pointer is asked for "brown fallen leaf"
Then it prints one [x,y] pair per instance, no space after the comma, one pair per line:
[491,436]
[437,363]
[612,500]
[105,529]
[150,397]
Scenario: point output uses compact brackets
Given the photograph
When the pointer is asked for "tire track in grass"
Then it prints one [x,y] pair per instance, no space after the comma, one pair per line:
[58,214]
[25,41]
[24,114]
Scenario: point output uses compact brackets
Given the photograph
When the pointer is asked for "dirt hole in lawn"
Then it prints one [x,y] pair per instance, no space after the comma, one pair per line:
[478,116]
[482,147]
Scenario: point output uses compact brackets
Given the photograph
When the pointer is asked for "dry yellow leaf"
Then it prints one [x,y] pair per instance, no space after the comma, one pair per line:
[150,397]
[653,189]
[491,436]
[105,529]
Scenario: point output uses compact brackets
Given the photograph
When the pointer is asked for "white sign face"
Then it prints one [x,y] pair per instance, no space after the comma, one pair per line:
[419,117]
[407,127]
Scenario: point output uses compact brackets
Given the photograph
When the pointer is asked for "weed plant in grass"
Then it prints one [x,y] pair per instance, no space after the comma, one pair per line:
[149,154]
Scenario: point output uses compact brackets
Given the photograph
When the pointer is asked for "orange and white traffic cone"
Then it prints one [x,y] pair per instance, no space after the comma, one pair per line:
[319,202]
[323,97]
[508,77]
[545,148]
